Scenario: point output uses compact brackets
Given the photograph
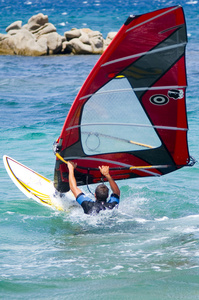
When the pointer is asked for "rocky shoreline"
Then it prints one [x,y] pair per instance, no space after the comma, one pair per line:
[39,37]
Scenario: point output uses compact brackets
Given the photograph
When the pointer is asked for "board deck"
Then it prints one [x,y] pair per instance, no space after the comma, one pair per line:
[36,186]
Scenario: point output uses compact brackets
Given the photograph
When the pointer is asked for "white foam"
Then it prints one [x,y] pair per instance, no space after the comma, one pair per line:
[118,267]
[62,24]
[192,2]
[161,219]
[141,220]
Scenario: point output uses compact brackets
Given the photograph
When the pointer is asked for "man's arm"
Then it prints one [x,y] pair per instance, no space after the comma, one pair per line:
[72,181]
[114,187]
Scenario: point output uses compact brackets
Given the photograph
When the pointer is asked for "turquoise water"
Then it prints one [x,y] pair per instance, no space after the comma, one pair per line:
[149,247]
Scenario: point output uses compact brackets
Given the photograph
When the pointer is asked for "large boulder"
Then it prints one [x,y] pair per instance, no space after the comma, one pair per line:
[45,29]
[37,21]
[66,48]
[22,43]
[72,34]
[84,38]
[54,42]
[4,45]
[96,40]
[83,41]
[14,26]
[77,47]
[109,39]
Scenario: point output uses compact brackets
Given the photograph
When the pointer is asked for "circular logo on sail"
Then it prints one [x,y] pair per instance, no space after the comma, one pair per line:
[159,99]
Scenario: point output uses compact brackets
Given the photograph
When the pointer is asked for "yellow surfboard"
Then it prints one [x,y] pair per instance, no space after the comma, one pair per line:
[36,186]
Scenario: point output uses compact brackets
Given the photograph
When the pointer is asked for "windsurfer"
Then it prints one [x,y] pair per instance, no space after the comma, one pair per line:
[101,192]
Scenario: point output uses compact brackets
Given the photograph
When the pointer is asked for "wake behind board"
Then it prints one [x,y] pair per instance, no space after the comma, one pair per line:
[36,186]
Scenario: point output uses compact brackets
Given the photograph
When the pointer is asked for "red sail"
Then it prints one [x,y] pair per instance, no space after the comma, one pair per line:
[130,113]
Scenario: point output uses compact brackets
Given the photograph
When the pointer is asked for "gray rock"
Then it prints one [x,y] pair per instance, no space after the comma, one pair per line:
[80,48]
[83,41]
[24,43]
[5,45]
[97,42]
[84,38]
[13,32]
[72,34]
[45,29]
[39,37]
[54,42]
[2,36]
[14,26]
[37,21]
[43,43]
[66,48]
[109,39]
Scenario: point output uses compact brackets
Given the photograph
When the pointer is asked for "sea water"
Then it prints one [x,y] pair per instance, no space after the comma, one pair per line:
[149,247]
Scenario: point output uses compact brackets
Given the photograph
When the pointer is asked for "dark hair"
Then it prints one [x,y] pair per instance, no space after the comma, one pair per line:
[101,192]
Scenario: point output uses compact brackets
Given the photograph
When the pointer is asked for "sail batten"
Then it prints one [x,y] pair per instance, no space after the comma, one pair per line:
[128,124]
[153,18]
[137,90]
[145,53]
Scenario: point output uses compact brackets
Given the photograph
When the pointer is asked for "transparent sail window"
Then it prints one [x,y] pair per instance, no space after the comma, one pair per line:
[114,121]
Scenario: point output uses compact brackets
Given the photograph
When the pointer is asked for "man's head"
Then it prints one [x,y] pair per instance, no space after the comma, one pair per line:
[101,193]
